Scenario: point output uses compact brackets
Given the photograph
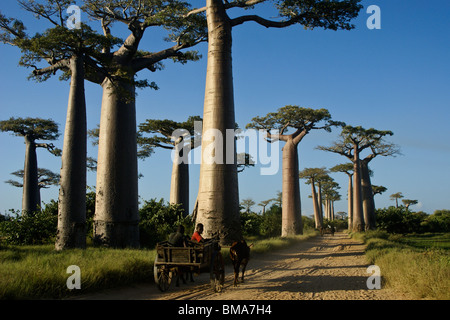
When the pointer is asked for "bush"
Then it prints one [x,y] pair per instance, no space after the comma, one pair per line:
[439,221]
[251,223]
[308,223]
[421,273]
[37,228]
[398,220]
[158,220]
[271,222]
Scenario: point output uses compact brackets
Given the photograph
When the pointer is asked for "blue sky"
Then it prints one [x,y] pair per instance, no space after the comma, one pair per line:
[396,78]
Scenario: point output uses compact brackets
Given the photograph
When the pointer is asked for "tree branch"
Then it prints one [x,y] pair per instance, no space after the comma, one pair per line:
[147,61]
[65,63]
[236,4]
[264,22]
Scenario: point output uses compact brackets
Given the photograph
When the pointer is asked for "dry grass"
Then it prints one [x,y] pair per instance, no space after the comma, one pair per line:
[39,272]
[420,273]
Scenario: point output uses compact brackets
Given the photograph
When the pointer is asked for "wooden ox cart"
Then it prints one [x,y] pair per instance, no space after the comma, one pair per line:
[197,257]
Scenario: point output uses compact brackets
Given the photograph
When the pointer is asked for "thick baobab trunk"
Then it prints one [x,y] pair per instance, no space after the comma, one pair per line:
[317,218]
[291,223]
[72,191]
[319,199]
[179,185]
[327,209]
[31,194]
[358,218]
[116,221]
[367,197]
[332,210]
[218,197]
[350,202]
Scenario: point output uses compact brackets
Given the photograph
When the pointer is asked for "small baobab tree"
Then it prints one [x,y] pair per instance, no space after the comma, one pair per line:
[347,168]
[301,121]
[46,178]
[353,140]
[395,197]
[181,138]
[311,175]
[409,202]
[247,203]
[264,204]
[378,189]
[32,129]
[330,195]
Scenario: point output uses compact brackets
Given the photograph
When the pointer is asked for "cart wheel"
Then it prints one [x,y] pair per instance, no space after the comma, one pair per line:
[217,272]
[163,277]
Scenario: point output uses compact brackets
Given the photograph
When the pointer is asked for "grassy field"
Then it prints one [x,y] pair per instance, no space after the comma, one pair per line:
[418,265]
[39,272]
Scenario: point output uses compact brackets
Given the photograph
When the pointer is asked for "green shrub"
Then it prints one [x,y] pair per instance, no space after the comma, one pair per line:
[271,222]
[398,220]
[251,223]
[439,221]
[308,223]
[36,228]
[158,220]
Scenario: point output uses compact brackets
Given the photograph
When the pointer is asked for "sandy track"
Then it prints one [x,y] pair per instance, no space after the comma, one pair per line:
[329,267]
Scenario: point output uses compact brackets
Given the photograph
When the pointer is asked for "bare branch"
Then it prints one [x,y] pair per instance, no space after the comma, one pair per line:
[53,68]
[264,22]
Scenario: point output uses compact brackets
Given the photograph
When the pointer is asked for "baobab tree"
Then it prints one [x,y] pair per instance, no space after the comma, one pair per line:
[116,214]
[32,129]
[312,174]
[347,168]
[329,190]
[247,203]
[353,140]
[218,196]
[278,199]
[378,147]
[302,121]
[264,204]
[46,178]
[181,138]
[396,196]
[409,202]
[73,53]
[378,189]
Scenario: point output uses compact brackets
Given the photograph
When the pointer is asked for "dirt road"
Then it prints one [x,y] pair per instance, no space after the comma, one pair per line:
[329,267]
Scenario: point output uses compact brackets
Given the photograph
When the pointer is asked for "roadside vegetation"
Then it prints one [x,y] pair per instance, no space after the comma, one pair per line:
[416,264]
[412,250]
[33,269]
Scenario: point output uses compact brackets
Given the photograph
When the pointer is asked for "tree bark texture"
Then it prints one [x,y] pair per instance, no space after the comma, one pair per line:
[291,223]
[350,202]
[367,197]
[332,210]
[72,193]
[319,199]
[31,194]
[179,185]
[317,218]
[327,209]
[116,221]
[218,197]
[358,218]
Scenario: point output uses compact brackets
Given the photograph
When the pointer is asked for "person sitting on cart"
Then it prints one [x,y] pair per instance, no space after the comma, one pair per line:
[197,236]
[178,239]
